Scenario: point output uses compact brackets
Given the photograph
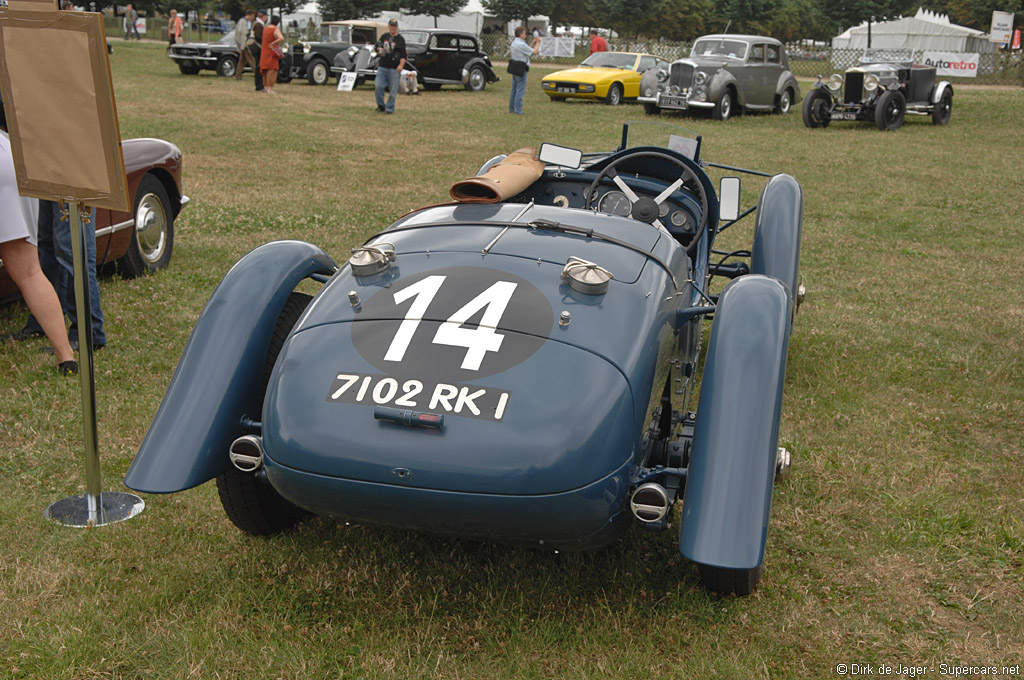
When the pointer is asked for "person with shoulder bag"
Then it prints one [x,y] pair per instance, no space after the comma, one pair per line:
[518,66]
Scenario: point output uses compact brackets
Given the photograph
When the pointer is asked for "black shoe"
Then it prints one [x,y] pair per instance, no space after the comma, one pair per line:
[23,334]
[380,109]
[67,368]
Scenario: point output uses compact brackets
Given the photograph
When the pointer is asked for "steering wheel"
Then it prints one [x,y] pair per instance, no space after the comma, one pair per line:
[645,208]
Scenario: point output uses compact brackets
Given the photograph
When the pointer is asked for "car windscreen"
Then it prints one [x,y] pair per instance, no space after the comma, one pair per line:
[736,49]
[610,60]
[228,39]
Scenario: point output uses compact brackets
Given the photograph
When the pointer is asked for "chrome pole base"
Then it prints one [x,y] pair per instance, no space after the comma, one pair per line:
[87,510]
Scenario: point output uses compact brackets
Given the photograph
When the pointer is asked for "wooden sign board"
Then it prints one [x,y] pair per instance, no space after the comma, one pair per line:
[59,99]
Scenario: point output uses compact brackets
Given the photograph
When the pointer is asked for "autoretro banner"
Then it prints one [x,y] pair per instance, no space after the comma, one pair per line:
[961,64]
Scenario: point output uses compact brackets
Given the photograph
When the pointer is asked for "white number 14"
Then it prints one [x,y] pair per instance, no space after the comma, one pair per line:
[477,341]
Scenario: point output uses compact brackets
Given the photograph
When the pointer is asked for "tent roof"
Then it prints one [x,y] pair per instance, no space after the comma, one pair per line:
[924,23]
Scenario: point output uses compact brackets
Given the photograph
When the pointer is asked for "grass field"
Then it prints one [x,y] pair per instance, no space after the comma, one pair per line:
[898,539]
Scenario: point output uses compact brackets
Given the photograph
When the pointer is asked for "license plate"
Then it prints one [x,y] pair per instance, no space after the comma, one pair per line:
[672,101]
[369,389]
[568,90]
[843,115]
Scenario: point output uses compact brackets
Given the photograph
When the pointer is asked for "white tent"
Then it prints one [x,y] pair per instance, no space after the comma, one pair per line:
[924,31]
[472,18]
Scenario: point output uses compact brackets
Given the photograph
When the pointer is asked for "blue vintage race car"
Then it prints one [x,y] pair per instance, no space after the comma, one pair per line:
[514,366]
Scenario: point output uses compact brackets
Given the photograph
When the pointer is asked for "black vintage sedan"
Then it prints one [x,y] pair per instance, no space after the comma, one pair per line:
[312,59]
[440,57]
[220,56]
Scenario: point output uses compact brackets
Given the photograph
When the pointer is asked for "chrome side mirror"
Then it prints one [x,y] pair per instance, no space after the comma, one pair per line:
[729,198]
[552,154]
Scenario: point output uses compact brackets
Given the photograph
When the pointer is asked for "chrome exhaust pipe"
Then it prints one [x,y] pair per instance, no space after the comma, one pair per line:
[783,460]
[246,453]
[649,502]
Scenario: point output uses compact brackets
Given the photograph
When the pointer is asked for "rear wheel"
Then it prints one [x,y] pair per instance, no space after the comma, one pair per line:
[614,97]
[785,102]
[726,581]
[250,503]
[226,66]
[723,107]
[891,110]
[943,110]
[477,80]
[817,109]
[153,233]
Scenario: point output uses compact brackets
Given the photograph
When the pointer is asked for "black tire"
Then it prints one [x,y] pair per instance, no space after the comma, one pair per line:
[943,110]
[890,110]
[651,109]
[817,109]
[152,238]
[724,105]
[725,581]
[477,80]
[785,103]
[252,505]
[614,97]
[360,80]
[187,70]
[318,72]
[226,66]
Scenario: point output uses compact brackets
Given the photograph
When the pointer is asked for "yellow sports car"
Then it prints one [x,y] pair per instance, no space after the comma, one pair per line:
[610,76]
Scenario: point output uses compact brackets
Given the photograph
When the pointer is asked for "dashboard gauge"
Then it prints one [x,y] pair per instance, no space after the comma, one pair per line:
[614,203]
[561,201]
[663,210]
[682,219]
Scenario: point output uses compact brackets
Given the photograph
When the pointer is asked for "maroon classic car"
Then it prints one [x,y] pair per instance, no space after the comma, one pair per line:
[141,241]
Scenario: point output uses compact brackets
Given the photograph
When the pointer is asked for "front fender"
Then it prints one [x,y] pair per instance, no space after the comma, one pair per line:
[218,378]
[780,214]
[732,464]
[719,82]
[940,89]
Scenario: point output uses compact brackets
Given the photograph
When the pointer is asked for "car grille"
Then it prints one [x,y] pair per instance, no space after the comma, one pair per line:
[186,51]
[562,87]
[854,87]
[681,76]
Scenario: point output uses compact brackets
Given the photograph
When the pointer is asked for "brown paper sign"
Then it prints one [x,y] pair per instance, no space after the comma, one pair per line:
[61,116]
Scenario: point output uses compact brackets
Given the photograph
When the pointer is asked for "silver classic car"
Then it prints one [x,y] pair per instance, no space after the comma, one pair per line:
[723,73]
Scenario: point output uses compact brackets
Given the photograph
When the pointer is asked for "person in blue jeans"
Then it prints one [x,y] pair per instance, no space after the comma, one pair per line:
[57,262]
[391,50]
[519,50]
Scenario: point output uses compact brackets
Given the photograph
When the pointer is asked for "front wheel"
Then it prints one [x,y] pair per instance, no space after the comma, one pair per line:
[188,70]
[725,581]
[226,67]
[251,503]
[477,80]
[318,73]
[817,110]
[614,97]
[153,233]
[943,110]
[891,110]
[723,107]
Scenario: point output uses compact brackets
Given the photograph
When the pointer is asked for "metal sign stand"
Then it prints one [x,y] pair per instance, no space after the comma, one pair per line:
[93,508]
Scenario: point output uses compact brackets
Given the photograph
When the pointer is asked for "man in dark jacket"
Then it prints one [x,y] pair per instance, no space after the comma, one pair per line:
[255,49]
[391,50]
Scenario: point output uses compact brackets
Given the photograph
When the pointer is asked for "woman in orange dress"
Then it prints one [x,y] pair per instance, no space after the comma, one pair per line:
[270,54]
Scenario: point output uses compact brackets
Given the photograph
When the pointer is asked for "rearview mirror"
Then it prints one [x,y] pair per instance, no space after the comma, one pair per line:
[552,154]
[729,198]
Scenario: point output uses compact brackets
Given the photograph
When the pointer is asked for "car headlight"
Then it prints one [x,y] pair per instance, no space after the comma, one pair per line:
[586,88]
[548,86]
[870,82]
[662,76]
[648,91]
[674,90]
[835,81]
[700,78]
[208,53]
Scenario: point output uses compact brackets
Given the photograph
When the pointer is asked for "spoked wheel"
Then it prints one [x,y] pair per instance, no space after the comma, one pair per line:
[943,110]
[817,110]
[250,503]
[891,110]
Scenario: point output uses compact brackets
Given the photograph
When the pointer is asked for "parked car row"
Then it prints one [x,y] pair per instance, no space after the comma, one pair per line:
[723,75]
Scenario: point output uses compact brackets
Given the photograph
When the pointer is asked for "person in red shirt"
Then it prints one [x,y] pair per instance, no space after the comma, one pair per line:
[597,43]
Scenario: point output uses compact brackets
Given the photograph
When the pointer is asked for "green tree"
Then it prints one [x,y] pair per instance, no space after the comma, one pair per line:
[571,13]
[678,20]
[625,16]
[336,10]
[799,20]
[744,16]
[518,10]
[433,8]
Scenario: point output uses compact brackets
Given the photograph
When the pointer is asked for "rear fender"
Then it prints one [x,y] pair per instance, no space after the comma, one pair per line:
[732,464]
[218,379]
[780,215]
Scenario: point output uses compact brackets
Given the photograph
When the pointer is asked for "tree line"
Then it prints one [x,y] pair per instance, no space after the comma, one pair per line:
[787,20]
